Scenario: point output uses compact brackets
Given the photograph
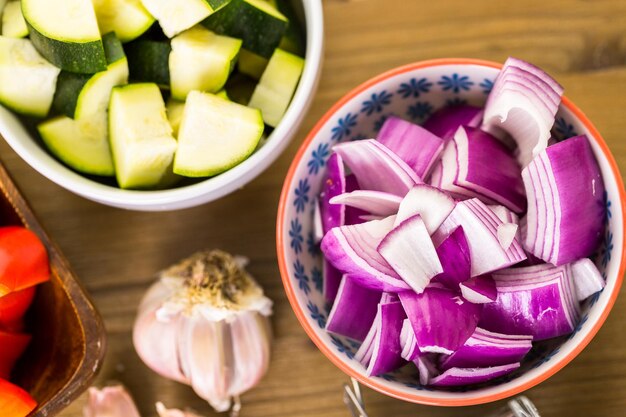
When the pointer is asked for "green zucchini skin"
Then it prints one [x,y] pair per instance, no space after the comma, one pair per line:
[260,32]
[82,58]
[294,39]
[70,84]
[148,61]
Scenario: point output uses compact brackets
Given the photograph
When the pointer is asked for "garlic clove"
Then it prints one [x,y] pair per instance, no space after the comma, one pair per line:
[110,402]
[156,344]
[206,359]
[164,412]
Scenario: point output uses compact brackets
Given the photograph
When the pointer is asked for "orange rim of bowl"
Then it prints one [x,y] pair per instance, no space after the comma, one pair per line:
[417,398]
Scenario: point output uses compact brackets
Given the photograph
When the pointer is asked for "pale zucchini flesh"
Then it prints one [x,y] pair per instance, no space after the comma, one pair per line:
[129,19]
[177,16]
[175,110]
[66,33]
[13,23]
[201,60]
[141,137]
[277,85]
[251,64]
[81,144]
[27,80]
[215,135]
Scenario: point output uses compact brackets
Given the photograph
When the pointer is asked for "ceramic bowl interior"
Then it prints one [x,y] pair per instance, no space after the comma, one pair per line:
[24,141]
[414,92]
[69,339]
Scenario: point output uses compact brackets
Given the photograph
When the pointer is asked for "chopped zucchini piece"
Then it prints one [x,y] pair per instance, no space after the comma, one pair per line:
[149,61]
[13,23]
[177,16]
[175,110]
[201,60]
[251,64]
[293,41]
[215,135]
[82,144]
[79,95]
[256,22]
[27,80]
[141,137]
[127,18]
[277,85]
[66,33]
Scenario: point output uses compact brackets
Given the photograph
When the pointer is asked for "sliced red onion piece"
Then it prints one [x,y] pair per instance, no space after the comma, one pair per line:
[370,217]
[374,202]
[332,279]
[566,213]
[354,310]
[454,255]
[410,350]
[376,168]
[537,300]
[450,172]
[484,349]
[466,376]
[506,233]
[353,214]
[436,174]
[410,252]
[387,349]
[426,367]
[352,250]
[587,278]
[418,147]
[442,321]
[480,226]
[364,353]
[487,170]
[432,204]
[479,290]
[524,104]
[446,121]
[335,184]
[504,214]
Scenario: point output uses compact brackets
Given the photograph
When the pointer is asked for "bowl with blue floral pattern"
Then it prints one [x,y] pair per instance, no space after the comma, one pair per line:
[413,92]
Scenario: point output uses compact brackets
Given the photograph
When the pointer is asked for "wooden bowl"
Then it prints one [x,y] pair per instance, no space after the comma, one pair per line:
[68,342]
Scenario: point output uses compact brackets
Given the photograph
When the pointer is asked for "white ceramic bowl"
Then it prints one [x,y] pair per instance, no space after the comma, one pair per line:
[34,153]
[413,92]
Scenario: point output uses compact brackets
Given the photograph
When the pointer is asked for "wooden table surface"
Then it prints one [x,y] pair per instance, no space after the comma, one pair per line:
[116,253]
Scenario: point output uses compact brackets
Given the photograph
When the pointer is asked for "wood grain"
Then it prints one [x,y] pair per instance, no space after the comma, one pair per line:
[116,253]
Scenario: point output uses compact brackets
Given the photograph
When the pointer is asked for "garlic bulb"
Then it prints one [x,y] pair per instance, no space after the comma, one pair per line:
[110,402]
[205,323]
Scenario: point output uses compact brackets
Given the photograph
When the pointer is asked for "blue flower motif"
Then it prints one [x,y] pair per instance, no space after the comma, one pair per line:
[414,88]
[607,249]
[341,347]
[415,385]
[316,314]
[302,196]
[376,102]
[451,102]
[311,246]
[486,85]
[316,277]
[565,130]
[318,158]
[354,344]
[544,354]
[295,233]
[358,136]
[455,82]
[389,378]
[344,127]
[420,110]
[378,124]
[303,280]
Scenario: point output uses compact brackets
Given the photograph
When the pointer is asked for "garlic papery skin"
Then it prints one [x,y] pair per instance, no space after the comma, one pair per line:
[164,412]
[205,323]
[110,402]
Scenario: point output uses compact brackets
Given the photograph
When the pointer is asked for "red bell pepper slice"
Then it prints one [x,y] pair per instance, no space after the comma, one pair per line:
[13,306]
[12,346]
[14,401]
[23,259]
